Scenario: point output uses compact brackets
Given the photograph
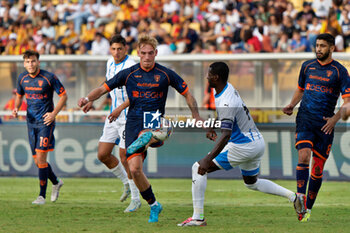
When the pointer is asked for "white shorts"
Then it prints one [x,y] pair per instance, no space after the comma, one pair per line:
[247,156]
[114,133]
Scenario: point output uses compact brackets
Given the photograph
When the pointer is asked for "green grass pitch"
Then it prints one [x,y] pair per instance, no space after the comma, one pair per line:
[92,205]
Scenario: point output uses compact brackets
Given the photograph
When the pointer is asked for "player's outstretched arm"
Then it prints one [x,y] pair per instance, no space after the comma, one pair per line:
[93,95]
[205,162]
[116,112]
[18,103]
[192,104]
[297,96]
[50,117]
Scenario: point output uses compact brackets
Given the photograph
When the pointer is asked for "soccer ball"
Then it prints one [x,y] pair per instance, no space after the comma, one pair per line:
[165,130]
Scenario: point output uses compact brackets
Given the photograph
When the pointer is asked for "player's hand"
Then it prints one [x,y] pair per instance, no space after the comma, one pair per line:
[15,112]
[114,115]
[49,117]
[87,107]
[288,109]
[211,135]
[203,166]
[82,102]
[329,126]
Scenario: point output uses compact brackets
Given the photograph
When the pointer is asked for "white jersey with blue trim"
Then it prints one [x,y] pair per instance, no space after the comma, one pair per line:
[118,95]
[234,115]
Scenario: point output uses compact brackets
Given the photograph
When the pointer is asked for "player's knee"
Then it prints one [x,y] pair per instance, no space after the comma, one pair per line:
[135,171]
[304,155]
[102,157]
[317,167]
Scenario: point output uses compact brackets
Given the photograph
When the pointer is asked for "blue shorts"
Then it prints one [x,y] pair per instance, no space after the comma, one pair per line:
[309,135]
[41,138]
[132,131]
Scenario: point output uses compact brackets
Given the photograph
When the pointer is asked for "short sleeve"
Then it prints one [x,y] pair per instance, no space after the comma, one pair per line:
[58,87]
[345,83]
[20,90]
[177,82]
[118,80]
[302,77]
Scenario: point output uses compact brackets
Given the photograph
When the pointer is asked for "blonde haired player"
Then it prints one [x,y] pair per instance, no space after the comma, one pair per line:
[147,86]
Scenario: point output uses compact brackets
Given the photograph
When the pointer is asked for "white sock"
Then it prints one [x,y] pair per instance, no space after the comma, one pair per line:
[135,194]
[267,186]
[199,184]
[120,172]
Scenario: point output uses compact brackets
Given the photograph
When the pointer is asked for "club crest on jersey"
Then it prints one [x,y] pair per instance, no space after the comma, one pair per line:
[329,73]
[40,82]
[157,78]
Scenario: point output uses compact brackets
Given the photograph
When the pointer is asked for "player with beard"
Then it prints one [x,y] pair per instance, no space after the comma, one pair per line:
[321,81]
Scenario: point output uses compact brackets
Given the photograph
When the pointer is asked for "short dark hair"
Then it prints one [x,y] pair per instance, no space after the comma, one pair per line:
[29,53]
[327,37]
[221,69]
[118,39]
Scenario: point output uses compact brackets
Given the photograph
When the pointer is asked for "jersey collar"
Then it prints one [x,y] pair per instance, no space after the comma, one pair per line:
[223,90]
[324,64]
[126,57]
[149,68]
[35,74]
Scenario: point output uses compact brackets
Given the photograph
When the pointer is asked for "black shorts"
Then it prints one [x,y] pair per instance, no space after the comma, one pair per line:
[41,138]
[310,135]
[132,130]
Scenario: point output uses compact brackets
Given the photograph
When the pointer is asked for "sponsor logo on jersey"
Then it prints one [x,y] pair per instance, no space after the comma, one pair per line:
[138,76]
[319,78]
[319,88]
[157,78]
[147,84]
[33,88]
[147,94]
[26,81]
[36,96]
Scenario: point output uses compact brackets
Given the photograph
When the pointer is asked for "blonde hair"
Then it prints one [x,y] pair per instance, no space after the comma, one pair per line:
[145,39]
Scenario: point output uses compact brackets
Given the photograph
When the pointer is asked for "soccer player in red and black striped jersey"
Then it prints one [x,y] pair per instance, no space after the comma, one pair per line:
[321,81]
[38,86]
[147,86]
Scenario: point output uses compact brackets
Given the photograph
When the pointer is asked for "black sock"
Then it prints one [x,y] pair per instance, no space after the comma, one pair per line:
[148,195]
[52,177]
[302,177]
[43,174]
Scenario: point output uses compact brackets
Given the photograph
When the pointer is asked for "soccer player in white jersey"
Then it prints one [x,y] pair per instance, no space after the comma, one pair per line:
[114,128]
[240,144]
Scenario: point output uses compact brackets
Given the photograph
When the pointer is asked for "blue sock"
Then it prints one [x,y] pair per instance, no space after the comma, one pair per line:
[52,177]
[314,187]
[43,174]
[302,176]
[148,195]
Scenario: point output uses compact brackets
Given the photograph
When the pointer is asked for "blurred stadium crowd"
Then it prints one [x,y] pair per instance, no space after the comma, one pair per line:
[181,26]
